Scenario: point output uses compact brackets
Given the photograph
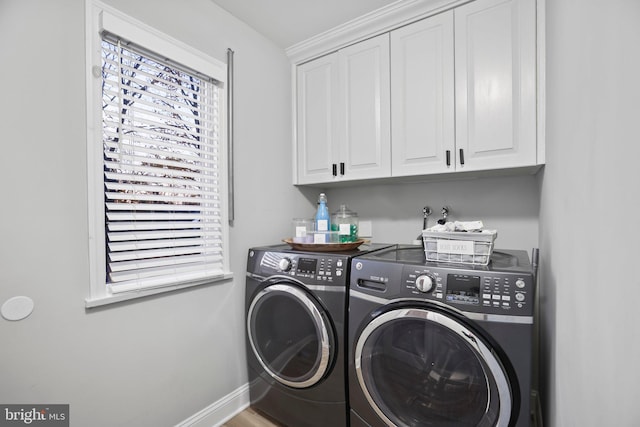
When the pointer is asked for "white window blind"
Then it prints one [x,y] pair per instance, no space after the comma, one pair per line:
[162,171]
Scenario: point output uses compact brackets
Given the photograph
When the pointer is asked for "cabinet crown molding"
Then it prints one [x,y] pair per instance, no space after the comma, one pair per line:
[394,15]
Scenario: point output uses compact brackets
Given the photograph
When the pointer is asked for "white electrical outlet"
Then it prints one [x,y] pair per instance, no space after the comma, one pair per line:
[365,229]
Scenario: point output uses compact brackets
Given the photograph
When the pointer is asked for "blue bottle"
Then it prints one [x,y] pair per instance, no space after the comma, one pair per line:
[323,220]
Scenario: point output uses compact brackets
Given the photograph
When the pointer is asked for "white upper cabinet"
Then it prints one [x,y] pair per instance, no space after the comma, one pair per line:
[495,81]
[317,116]
[455,91]
[422,97]
[364,136]
[343,114]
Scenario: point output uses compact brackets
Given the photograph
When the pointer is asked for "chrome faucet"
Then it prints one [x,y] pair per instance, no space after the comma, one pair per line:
[445,214]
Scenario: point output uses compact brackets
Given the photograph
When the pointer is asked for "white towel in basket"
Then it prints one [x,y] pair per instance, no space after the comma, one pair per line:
[458,226]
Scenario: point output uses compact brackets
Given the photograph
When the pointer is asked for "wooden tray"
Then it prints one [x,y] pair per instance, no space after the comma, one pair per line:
[324,247]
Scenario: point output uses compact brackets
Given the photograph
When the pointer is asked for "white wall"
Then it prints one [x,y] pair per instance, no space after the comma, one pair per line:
[149,362]
[589,206]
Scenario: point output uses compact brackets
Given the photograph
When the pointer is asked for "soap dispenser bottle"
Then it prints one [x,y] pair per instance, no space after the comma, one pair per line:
[322,215]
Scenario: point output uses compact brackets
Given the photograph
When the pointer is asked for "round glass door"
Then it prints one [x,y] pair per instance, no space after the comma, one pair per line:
[419,367]
[290,335]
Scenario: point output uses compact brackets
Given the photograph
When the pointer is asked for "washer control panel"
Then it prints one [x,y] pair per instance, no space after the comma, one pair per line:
[470,290]
[311,268]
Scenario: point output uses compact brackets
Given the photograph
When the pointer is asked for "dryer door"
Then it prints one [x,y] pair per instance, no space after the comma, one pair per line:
[291,335]
[418,366]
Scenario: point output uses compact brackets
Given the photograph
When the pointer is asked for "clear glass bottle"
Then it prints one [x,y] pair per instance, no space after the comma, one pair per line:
[345,222]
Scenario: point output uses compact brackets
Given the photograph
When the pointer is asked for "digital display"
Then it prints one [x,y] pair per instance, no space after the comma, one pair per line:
[307,265]
[463,289]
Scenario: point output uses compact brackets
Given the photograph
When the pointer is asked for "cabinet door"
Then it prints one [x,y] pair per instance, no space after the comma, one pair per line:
[364,129]
[495,54]
[317,85]
[422,97]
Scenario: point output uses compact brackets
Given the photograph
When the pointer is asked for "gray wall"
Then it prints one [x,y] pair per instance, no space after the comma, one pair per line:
[589,205]
[508,204]
[150,362]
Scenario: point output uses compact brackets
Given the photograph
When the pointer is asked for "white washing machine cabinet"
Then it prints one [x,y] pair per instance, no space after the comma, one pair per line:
[441,345]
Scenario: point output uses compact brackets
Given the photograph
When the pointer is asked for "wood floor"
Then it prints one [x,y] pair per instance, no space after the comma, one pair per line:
[250,418]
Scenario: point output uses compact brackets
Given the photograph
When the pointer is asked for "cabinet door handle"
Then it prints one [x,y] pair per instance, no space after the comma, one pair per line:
[341,168]
[448,157]
[335,169]
[462,157]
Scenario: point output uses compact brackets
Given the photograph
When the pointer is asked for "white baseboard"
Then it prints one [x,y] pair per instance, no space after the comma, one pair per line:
[220,411]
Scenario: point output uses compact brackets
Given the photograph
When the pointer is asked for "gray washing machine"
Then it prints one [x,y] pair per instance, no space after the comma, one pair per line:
[296,303]
[434,344]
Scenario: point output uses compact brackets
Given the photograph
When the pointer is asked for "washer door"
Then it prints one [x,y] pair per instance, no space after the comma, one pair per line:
[419,366]
[291,335]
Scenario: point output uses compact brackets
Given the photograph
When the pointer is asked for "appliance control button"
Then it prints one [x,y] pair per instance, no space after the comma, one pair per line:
[520,297]
[284,264]
[520,283]
[425,283]
[358,265]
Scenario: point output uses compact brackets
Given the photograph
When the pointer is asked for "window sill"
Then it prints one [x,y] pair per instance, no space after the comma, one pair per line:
[92,302]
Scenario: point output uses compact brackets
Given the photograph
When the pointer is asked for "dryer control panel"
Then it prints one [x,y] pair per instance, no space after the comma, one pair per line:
[311,268]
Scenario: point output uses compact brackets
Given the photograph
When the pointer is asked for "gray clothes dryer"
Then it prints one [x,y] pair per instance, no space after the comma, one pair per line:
[296,304]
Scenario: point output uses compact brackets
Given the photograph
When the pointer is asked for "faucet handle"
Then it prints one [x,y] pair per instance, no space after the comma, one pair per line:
[445,214]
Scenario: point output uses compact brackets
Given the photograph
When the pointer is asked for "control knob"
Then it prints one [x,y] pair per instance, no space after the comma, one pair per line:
[284,264]
[425,282]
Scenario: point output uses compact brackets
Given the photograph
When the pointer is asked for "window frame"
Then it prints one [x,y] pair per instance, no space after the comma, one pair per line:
[103,18]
